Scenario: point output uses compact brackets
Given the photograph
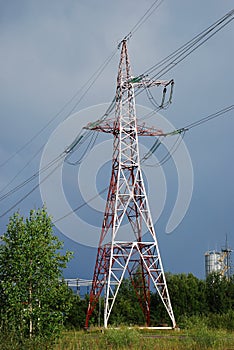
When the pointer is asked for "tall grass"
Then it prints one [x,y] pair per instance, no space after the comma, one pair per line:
[134,339]
[211,321]
[195,335]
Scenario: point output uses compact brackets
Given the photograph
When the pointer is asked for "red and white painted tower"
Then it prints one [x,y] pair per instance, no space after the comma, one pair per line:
[127,201]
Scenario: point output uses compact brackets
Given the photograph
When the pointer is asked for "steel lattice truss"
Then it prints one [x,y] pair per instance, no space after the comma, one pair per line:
[127,201]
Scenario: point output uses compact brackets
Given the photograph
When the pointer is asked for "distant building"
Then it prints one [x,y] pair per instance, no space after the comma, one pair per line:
[212,262]
[218,262]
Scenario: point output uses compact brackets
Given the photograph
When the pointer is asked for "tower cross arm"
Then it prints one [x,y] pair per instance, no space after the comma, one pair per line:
[143,130]
[109,126]
[106,126]
[141,81]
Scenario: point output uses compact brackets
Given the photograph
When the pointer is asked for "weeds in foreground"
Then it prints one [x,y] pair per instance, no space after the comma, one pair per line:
[135,339]
[197,338]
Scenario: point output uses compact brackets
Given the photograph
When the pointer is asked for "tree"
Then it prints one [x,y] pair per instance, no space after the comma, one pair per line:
[34,300]
[219,293]
[126,309]
[77,313]
[187,295]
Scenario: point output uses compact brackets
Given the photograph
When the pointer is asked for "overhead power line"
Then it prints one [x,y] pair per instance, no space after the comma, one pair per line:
[185,50]
[87,86]
[144,18]
[80,206]
[209,117]
[151,151]
[32,177]
[29,193]
[180,132]
[82,92]
[170,61]
[22,169]
[179,55]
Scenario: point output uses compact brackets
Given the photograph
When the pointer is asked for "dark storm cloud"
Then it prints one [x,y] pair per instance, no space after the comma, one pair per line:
[50,49]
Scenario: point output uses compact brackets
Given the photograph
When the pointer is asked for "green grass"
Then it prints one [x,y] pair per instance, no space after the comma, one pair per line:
[195,338]
[125,338]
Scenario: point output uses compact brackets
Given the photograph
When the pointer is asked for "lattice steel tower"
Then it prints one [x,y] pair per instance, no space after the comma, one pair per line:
[127,201]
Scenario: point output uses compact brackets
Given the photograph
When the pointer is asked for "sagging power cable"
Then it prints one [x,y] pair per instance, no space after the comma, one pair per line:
[209,117]
[180,132]
[167,156]
[143,19]
[169,62]
[82,91]
[180,54]
[22,169]
[194,46]
[201,121]
[172,60]
[32,177]
[87,86]
[81,205]
[30,192]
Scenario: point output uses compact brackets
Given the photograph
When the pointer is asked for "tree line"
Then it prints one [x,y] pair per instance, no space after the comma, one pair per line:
[212,298]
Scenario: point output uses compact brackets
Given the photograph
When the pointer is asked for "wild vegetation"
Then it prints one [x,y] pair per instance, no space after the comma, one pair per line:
[195,338]
[135,339]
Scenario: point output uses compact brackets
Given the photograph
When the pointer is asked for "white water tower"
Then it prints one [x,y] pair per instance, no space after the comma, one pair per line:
[219,262]
[213,262]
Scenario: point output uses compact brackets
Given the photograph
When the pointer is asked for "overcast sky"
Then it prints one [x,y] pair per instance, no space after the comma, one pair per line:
[49,49]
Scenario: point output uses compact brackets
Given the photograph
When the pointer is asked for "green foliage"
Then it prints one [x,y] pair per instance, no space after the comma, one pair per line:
[126,310]
[221,321]
[209,321]
[187,294]
[190,297]
[192,322]
[120,338]
[33,300]
[202,334]
[10,341]
[219,293]
[77,313]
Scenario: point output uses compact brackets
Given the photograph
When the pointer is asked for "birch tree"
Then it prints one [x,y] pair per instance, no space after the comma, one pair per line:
[33,298]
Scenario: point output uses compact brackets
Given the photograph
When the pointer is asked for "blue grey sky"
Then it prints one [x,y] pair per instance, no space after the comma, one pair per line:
[49,49]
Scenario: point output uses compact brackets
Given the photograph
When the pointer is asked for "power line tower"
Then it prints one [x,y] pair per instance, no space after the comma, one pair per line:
[127,202]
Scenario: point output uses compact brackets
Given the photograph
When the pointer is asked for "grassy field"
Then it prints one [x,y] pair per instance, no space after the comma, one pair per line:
[125,338]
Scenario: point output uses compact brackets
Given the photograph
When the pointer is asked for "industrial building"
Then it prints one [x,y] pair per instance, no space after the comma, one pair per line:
[218,262]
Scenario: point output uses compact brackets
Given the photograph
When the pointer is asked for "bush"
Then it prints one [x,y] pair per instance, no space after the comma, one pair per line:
[221,321]
[119,338]
[192,322]
[211,321]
